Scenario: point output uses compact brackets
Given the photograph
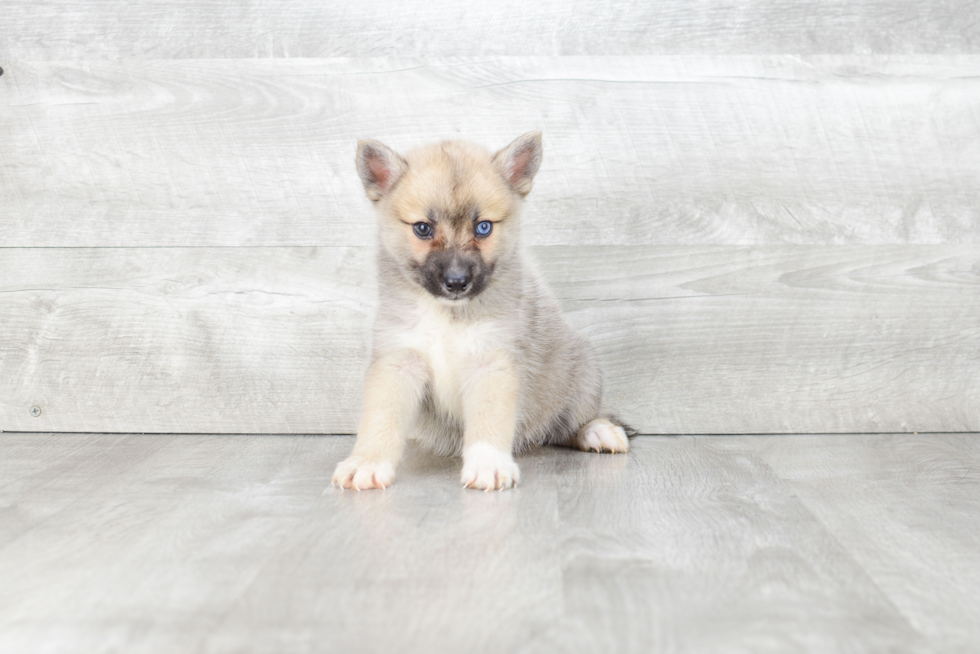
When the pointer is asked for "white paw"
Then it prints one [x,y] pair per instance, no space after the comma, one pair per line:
[600,435]
[486,467]
[362,475]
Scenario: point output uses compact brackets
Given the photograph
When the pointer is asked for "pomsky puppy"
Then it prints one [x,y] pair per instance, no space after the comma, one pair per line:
[471,354]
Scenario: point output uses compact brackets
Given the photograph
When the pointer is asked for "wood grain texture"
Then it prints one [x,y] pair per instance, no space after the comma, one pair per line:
[691,547]
[691,544]
[659,150]
[189,338]
[693,339]
[74,29]
[885,472]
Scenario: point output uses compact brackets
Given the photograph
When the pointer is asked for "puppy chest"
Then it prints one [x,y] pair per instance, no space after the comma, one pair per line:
[454,352]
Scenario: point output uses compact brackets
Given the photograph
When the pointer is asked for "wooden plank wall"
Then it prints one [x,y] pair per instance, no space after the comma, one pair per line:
[766,216]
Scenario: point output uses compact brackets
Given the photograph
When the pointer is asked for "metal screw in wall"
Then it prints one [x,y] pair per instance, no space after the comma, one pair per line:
[35,411]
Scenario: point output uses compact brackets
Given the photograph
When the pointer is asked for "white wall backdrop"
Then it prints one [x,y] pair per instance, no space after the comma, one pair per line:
[765,215]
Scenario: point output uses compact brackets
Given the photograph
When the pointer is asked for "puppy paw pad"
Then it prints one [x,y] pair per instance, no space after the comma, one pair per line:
[359,475]
[600,435]
[487,468]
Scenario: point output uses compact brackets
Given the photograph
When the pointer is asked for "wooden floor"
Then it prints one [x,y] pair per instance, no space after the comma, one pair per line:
[188,543]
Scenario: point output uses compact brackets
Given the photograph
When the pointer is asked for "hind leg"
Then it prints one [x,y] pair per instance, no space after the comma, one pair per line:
[601,435]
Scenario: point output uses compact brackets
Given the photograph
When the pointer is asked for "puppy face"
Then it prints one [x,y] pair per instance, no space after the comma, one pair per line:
[449,211]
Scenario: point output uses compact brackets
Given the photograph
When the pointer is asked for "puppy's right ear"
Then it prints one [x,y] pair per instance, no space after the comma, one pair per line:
[379,167]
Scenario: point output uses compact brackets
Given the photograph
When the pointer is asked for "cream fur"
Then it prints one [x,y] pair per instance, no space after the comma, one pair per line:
[484,376]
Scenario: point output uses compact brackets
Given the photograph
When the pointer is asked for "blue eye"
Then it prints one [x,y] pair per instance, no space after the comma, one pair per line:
[422,230]
[484,228]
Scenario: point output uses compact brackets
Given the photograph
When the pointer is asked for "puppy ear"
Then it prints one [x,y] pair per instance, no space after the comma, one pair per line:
[379,167]
[520,160]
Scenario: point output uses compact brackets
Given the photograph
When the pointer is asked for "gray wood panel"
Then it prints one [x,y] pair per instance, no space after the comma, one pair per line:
[939,535]
[154,29]
[645,149]
[693,339]
[725,544]
[184,340]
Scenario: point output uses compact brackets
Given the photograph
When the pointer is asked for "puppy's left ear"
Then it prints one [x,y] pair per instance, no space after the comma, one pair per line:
[519,161]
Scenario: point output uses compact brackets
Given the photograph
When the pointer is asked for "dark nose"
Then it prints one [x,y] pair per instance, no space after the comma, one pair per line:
[456,280]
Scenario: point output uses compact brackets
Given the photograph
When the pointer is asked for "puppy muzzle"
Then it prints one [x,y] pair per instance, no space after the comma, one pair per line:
[453,275]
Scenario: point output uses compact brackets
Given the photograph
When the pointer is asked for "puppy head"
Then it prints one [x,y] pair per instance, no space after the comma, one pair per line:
[449,211]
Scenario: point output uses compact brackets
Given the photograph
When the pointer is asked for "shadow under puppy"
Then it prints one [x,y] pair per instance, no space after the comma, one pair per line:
[471,354]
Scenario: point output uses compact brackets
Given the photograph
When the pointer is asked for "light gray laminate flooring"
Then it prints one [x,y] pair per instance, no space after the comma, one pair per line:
[198,543]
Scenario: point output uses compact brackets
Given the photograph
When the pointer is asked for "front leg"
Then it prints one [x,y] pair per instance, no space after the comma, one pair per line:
[490,400]
[393,391]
